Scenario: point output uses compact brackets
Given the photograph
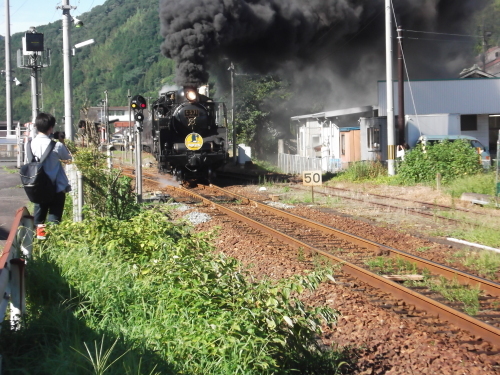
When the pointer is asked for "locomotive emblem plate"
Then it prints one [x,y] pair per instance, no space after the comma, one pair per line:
[191,113]
[193,141]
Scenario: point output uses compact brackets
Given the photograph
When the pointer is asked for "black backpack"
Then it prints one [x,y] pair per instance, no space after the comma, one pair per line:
[37,184]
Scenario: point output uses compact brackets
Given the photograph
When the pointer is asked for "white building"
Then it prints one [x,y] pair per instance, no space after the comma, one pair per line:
[474,101]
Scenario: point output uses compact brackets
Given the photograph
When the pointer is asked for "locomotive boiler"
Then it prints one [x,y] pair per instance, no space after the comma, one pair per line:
[187,134]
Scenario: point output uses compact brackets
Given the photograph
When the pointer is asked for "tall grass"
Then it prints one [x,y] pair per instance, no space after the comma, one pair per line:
[164,302]
[481,183]
[363,171]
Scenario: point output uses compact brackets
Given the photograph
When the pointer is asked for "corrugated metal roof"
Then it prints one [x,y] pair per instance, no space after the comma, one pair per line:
[336,113]
[462,96]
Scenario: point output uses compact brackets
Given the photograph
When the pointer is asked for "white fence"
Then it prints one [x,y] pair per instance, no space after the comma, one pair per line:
[76,193]
[297,164]
[12,145]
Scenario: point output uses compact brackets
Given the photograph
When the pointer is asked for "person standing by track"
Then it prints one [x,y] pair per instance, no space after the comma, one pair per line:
[45,124]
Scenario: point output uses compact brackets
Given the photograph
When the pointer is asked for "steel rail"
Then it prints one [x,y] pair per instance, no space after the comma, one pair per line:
[411,210]
[489,286]
[464,321]
[408,200]
[448,272]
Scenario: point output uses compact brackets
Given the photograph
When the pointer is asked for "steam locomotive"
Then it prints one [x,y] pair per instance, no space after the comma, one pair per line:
[187,134]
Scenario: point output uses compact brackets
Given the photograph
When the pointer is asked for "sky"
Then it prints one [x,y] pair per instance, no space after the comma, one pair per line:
[26,13]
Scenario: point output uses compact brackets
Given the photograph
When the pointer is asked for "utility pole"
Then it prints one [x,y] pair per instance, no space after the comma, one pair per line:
[486,35]
[8,79]
[34,88]
[231,68]
[68,90]
[107,137]
[129,112]
[390,90]
[401,90]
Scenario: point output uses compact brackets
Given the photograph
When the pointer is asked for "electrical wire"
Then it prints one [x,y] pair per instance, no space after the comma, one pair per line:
[436,33]
[25,1]
[354,36]
[440,40]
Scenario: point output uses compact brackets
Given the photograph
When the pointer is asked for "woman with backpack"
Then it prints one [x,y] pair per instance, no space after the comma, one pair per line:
[45,124]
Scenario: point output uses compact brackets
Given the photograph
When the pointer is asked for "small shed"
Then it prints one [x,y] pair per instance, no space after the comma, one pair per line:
[350,150]
[331,134]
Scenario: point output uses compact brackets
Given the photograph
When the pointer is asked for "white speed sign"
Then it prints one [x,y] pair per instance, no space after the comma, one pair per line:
[312,178]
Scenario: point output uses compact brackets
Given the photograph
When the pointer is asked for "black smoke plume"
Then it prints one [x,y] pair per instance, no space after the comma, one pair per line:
[326,44]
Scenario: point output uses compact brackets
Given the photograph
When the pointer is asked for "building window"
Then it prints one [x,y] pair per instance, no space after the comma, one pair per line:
[342,144]
[373,138]
[468,122]
[117,113]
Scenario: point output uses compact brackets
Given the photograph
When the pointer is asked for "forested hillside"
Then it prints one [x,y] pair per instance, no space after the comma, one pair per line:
[126,55]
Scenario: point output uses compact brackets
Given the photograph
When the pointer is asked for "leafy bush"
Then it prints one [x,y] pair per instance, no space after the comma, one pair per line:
[105,191]
[450,159]
[158,288]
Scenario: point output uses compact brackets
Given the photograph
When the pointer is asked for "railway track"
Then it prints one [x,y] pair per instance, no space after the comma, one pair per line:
[413,207]
[352,253]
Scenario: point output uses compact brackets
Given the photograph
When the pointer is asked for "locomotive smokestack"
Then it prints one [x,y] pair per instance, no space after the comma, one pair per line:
[341,39]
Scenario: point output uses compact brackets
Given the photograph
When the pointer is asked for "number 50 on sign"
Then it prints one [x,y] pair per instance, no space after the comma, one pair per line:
[312,178]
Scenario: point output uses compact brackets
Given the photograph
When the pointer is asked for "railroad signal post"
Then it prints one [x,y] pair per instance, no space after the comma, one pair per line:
[138,105]
[312,178]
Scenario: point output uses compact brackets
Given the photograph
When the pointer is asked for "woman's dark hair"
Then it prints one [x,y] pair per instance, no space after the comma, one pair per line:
[44,121]
[59,133]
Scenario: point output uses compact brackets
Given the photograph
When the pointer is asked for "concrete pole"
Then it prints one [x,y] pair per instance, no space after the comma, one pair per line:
[34,89]
[68,93]
[8,72]
[401,90]
[138,159]
[235,158]
[79,177]
[390,90]
[106,114]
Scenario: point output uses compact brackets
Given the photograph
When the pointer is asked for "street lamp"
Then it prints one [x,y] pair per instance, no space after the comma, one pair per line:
[82,44]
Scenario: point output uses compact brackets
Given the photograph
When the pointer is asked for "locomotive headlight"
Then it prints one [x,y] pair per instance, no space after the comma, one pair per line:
[191,95]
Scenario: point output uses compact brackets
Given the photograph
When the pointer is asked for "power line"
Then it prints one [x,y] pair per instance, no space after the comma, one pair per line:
[436,33]
[25,1]
[439,40]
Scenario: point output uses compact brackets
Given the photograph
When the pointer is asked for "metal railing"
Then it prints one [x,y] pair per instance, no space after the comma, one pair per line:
[16,251]
[298,164]
[12,145]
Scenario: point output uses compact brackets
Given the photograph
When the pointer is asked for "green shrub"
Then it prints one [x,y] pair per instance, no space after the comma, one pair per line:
[450,159]
[105,191]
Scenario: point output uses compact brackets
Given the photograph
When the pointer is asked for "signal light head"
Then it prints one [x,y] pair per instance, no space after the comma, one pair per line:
[138,102]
